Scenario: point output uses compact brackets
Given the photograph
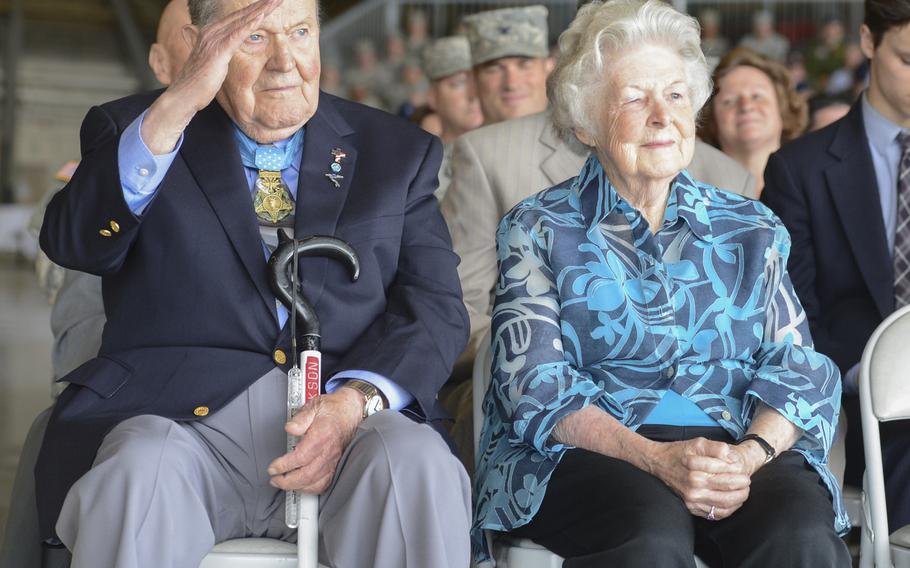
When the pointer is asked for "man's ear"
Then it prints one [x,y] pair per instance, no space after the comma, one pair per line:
[160,64]
[866,42]
[190,34]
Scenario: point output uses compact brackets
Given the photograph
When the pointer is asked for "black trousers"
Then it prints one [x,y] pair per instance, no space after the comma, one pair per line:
[600,511]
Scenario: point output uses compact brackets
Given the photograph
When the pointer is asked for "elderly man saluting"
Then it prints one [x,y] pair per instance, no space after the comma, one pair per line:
[173,438]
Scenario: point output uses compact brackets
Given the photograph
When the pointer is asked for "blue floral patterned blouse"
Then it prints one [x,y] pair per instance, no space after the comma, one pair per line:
[593,308]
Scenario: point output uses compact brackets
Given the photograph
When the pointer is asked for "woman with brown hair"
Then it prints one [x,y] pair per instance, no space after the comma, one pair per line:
[754,109]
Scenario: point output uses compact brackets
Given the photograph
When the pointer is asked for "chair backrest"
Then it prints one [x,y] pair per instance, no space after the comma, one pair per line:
[888,357]
[883,396]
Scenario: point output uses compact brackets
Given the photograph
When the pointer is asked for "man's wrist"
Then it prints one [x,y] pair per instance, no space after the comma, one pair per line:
[164,123]
[354,398]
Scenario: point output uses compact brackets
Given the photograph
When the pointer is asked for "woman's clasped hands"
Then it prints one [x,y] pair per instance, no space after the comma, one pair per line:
[712,478]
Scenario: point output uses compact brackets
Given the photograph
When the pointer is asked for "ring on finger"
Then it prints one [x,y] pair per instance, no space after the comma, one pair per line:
[711,516]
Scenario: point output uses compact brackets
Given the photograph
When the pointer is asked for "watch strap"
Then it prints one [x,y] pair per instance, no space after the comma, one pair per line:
[369,392]
[769,450]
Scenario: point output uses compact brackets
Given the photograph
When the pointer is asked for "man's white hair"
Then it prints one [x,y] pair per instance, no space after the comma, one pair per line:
[605,29]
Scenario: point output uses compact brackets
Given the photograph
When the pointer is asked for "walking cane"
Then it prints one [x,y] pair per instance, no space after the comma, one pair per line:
[302,511]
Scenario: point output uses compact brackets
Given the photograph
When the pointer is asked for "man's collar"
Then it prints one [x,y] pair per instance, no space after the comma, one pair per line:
[881,132]
[598,198]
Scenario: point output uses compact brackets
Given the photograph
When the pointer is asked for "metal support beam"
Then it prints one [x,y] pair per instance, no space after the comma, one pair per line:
[136,47]
[14,32]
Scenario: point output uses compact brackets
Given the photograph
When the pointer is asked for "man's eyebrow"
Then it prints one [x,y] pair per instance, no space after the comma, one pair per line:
[305,21]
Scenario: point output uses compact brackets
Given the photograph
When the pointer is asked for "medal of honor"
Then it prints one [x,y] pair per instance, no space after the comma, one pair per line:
[272,201]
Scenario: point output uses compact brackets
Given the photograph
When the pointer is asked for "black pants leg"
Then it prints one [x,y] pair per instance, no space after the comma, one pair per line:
[787,522]
[599,511]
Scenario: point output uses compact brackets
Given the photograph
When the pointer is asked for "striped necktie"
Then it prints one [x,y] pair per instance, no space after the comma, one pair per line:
[902,235]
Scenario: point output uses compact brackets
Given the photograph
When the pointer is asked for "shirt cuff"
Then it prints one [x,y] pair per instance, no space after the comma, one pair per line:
[141,171]
[398,397]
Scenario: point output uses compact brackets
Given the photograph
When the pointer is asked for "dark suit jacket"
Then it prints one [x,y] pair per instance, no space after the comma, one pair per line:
[823,187]
[191,320]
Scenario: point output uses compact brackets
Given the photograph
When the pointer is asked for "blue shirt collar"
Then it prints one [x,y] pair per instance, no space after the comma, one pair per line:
[598,198]
[292,145]
[882,133]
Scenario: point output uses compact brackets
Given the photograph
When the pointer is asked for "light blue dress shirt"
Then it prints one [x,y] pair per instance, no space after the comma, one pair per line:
[881,135]
[141,174]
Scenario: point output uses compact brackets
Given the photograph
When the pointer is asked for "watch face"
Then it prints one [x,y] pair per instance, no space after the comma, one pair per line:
[374,405]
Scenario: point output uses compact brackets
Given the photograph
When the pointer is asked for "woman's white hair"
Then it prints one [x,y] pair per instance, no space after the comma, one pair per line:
[602,29]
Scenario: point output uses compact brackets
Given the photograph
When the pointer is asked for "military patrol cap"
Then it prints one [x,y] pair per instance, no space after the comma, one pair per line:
[446,56]
[508,32]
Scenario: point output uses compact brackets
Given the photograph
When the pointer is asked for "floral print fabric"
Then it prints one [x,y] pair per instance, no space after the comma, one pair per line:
[591,307]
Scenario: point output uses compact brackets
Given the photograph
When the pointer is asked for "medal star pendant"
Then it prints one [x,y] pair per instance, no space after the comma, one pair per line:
[273,200]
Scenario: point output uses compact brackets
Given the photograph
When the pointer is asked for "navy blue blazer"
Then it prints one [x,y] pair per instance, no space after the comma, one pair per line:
[824,189]
[190,318]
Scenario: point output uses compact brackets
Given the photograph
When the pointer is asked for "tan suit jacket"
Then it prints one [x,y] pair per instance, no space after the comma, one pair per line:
[497,166]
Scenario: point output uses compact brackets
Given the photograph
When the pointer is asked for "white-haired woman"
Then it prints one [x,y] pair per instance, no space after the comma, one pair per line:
[654,383]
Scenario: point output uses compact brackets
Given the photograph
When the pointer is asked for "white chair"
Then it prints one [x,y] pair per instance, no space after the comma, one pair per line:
[509,552]
[252,553]
[883,396]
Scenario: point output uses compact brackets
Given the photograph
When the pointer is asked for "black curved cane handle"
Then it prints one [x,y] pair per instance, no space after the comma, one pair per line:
[281,267]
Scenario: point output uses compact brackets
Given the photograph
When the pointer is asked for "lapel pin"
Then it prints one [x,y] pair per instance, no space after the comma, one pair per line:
[335,175]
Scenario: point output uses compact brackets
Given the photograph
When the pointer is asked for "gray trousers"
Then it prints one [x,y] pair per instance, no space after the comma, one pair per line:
[161,493]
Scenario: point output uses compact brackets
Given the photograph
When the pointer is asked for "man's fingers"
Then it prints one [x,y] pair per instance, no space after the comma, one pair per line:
[303,420]
[313,480]
[244,15]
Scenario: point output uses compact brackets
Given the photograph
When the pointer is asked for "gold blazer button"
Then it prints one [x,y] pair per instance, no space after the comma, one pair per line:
[104,233]
[115,226]
[280,357]
[201,411]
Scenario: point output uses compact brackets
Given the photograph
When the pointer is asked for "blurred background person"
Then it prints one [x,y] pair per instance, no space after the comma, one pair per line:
[408,90]
[330,79]
[396,52]
[825,110]
[417,29]
[370,79]
[511,57]
[827,54]
[77,321]
[753,110]
[447,63]
[713,43]
[171,49]
[764,40]
[850,79]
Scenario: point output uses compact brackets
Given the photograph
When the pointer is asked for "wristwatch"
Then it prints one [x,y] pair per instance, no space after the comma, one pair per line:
[374,399]
[769,450]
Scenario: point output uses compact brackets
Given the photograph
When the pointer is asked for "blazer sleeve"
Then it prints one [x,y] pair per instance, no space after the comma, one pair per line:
[470,209]
[88,225]
[424,327]
[785,196]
